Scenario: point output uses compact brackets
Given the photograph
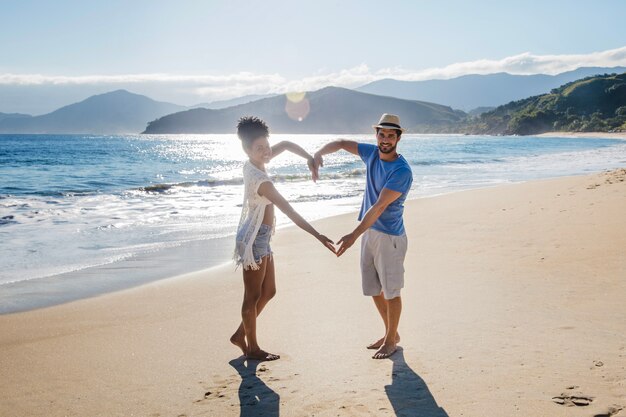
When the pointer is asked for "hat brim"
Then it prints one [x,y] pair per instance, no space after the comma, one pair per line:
[388,127]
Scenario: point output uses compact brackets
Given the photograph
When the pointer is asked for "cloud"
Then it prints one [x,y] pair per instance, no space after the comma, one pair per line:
[39,79]
[215,87]
[522,64]
[525,64]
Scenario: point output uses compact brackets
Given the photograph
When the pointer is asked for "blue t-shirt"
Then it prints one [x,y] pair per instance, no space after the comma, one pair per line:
[396,176]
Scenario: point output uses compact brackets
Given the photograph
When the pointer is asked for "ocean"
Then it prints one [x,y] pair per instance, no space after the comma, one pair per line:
[84,214]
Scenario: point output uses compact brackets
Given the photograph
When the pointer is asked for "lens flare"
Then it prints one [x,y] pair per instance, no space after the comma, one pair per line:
[296,97]
[297,106]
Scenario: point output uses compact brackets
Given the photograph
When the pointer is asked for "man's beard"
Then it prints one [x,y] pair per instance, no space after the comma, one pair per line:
[390,149]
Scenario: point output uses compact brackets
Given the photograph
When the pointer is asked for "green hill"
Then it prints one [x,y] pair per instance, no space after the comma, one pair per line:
[329,110]
[592,104]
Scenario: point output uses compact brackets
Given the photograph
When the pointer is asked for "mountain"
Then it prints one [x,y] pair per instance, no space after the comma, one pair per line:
[13,116]
[479,110]
[471,91]
[592,104]
[222,104]
[115,112]
[329,110]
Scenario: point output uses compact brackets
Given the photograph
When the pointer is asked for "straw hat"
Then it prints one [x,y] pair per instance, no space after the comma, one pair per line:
[389,121]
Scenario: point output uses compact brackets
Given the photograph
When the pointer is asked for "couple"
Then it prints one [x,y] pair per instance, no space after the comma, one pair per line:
[383,245]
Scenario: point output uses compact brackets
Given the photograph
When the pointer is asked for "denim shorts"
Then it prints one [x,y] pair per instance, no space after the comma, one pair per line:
[260,246]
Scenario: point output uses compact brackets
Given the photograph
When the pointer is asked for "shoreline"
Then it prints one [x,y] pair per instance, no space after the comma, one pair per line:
[598,135]
[145,268]
[134,269]
[513,305]
[151,267]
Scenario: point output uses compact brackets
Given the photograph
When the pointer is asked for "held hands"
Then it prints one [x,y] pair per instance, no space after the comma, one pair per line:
[344,243]
[318,160]
[314,163]
[310,161]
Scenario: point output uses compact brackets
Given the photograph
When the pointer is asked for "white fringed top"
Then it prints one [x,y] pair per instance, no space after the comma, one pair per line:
[252,212]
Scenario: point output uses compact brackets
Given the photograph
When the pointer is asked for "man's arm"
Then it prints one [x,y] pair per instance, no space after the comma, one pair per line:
[298,150]
[334,146]
[385,198]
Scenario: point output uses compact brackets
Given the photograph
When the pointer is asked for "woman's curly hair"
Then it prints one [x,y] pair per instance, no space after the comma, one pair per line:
[250,128]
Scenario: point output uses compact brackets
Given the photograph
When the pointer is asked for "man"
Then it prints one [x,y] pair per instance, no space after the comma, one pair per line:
[384,242]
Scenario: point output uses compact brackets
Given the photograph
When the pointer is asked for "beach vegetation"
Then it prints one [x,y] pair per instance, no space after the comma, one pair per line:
[592,104]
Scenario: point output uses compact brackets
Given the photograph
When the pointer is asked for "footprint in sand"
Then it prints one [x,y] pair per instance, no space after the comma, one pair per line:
[573,400]
[220,390]
[613,177]
[581,400]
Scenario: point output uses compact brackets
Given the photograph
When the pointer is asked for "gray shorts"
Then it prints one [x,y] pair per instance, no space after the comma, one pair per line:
[382,263]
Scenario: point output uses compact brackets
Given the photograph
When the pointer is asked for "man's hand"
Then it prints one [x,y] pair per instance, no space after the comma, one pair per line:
[345,242]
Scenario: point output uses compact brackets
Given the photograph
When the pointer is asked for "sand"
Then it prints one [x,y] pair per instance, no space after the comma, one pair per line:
[599,135]
[514,305]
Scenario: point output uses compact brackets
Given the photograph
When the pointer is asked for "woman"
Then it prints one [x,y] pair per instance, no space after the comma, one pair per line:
[253,250]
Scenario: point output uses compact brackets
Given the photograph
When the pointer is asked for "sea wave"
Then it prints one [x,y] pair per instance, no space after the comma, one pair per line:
[290,177]
[125,196]
[326,197]
[10,219]
[444,162]
[161,188]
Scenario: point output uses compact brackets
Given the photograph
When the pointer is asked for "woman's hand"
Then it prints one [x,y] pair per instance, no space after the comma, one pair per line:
[328,243]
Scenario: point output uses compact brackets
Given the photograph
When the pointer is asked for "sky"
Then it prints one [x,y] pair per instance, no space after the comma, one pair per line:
[53,53]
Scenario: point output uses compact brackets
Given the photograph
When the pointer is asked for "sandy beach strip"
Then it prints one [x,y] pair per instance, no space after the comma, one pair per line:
[599,135]
[513,306]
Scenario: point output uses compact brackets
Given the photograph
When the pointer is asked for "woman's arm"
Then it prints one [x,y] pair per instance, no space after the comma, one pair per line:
[270,192]
[298,150]
[286,145]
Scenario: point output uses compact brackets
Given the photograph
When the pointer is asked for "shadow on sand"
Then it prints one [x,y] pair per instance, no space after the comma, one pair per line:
[255,398]
[408,393]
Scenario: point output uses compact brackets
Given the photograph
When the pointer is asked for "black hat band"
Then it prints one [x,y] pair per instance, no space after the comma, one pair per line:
[393,125]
